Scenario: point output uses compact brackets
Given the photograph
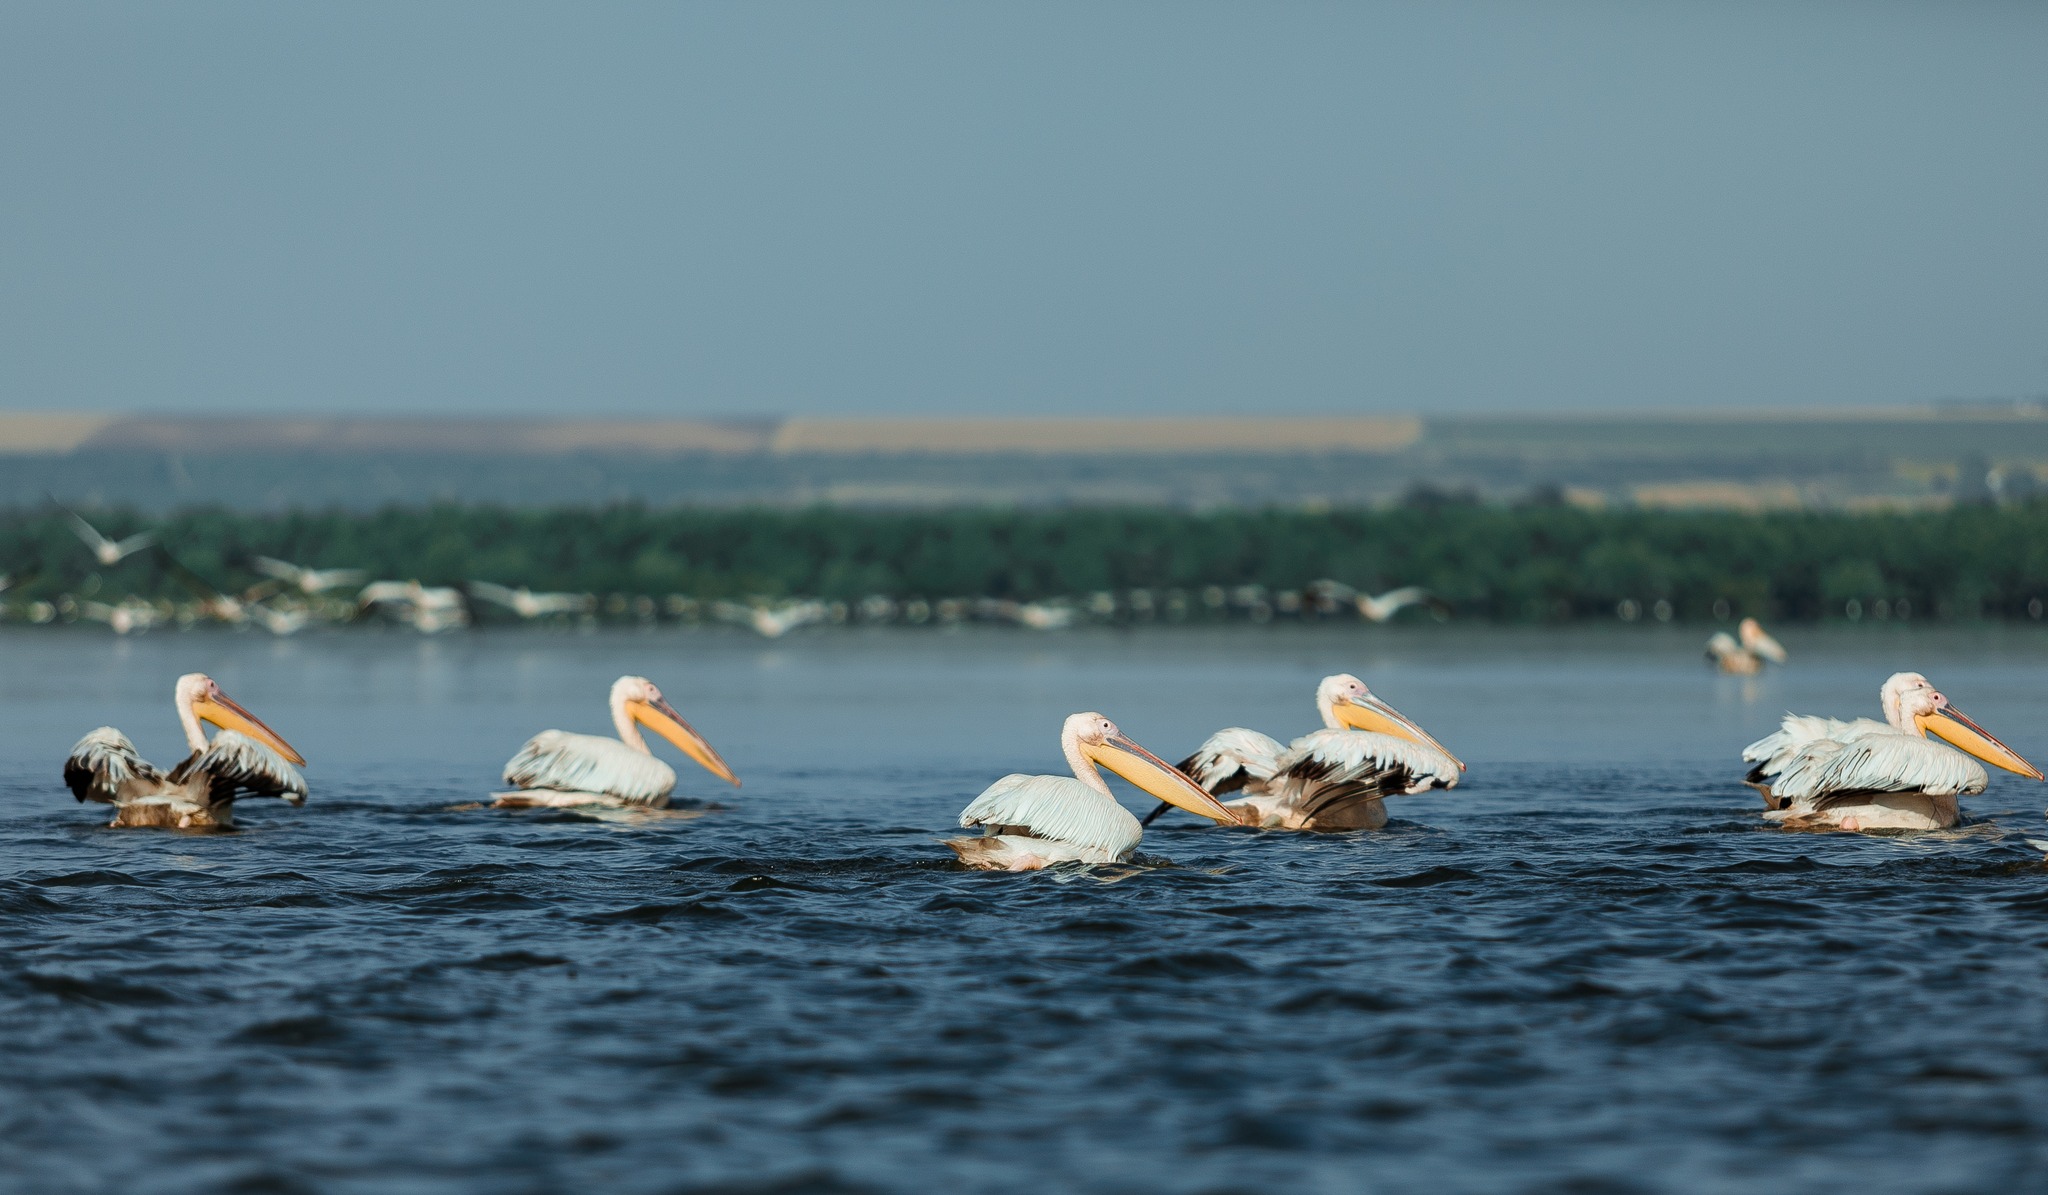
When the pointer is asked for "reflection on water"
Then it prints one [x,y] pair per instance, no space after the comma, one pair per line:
[1589,968]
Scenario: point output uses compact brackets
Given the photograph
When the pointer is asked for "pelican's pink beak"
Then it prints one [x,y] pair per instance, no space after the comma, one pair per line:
[1949,723]
[1370,713]
[660,717]
[1157,777]
[215,707]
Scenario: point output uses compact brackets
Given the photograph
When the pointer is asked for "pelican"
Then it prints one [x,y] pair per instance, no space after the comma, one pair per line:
[426,609]
[246,757]
[1386,605]
[1330,779]
[309,581]
[528,604]
[776,621]
[558,768]
[1868,775]
[1744,653]
[1029,822]
[108,552]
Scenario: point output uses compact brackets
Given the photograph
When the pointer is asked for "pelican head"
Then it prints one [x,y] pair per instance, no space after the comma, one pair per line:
[200,697]
[1914,705]
[1096,739]
[1348,705]
[636,699]
[1758,640]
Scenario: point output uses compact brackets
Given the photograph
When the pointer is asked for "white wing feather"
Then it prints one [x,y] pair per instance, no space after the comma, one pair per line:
[1231,751]
[1335,756]
[1798,731]
[1893,761]
[236,760]
[557,759]
[104,766]
[1056,808]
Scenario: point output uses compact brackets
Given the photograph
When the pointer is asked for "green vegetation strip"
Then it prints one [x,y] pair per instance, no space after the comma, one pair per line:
[1517,565]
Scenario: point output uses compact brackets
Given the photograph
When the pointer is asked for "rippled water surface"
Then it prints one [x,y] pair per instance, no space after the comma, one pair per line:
[1592,968]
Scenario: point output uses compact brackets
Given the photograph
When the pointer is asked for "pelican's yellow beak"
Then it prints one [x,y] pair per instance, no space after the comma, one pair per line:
[1965,735]
[1157,777]
[1370,713]
[661,718]
[217,709]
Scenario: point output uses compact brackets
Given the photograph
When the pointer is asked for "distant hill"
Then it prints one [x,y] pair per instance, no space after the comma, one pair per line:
[1905,457]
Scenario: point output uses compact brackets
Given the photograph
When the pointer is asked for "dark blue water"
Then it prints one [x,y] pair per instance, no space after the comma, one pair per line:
[1590,969]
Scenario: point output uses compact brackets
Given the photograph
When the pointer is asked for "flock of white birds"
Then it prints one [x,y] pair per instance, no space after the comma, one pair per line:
[293,597]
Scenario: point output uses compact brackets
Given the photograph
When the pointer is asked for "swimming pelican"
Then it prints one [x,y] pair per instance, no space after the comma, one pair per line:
[1330,779]
[1868,775]
[246,757]
[1029,822]
[1744,653]
[559,768]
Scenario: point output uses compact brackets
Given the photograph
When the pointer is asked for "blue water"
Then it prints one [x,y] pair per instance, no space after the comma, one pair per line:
[1591,968]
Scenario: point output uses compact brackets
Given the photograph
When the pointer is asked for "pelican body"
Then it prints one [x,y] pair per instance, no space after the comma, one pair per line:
[1745,652]
[245,758]
[1030,822]
[1823,773]
[556,767]
[1335,778]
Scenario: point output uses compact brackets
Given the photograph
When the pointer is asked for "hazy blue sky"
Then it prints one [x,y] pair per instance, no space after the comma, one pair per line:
[1037,207]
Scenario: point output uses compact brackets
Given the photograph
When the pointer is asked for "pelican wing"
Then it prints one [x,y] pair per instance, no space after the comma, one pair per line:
[1892,762]
[1233,758]
[1773,752]
[235,764]
[1055,808]
[105,766]
[1329,770]
[586,763]
[1767,647]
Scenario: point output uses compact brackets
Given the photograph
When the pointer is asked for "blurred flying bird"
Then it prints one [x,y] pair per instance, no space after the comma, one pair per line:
[773,622]
[528,604]
[130,615]
[1386,605]
[309,581]
[1818,773]
[425,608]
[108,552]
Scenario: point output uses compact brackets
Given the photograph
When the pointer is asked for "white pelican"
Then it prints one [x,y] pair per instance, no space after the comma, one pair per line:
[1867,775]
[245,757]
[309,581]
[1029,822]
[556,767]
[773,622]
[1330,779]
[426,609]
[1744,653]
[108,552]
[528,604]
[1386,605]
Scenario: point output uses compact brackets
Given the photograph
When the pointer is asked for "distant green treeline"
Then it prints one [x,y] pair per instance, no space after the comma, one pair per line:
[1540,563]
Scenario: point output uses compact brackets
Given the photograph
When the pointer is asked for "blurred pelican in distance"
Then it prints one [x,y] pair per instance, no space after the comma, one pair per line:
[1745,652]
[1823,773]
